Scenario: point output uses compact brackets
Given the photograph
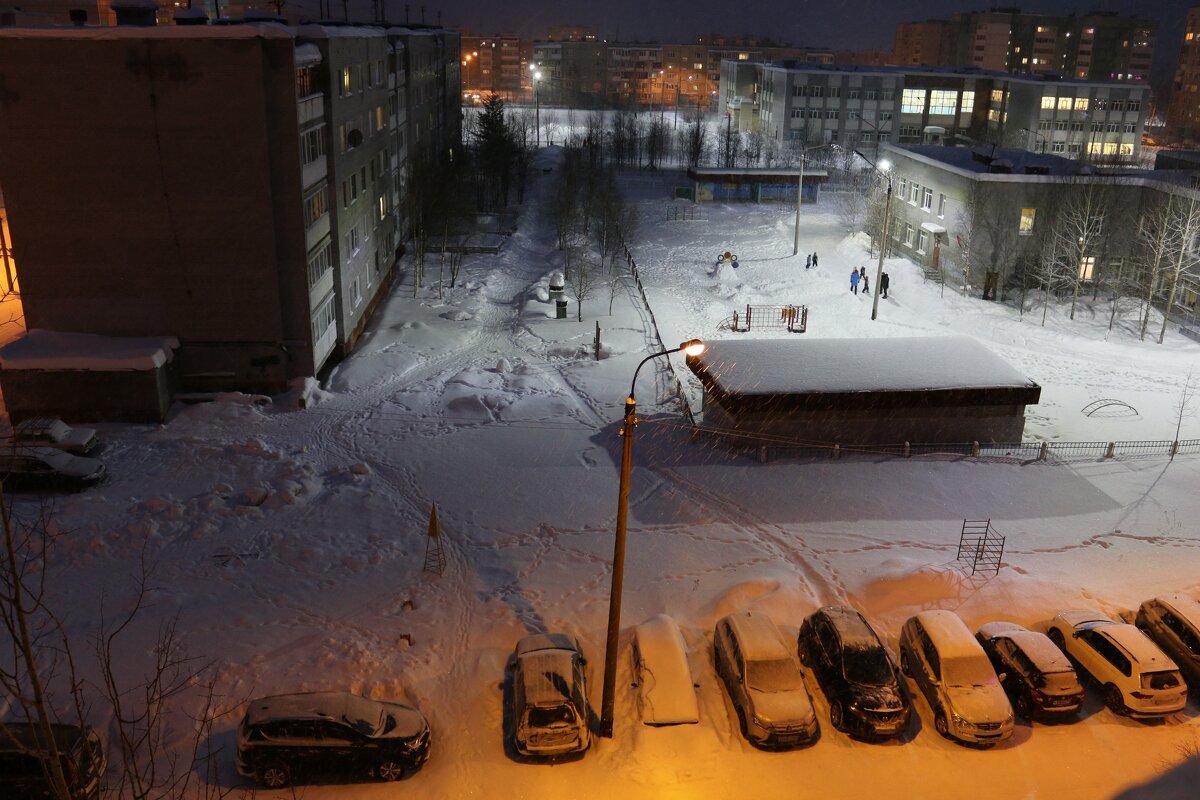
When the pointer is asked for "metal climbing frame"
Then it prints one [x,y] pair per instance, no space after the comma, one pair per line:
[981,545]
[793,319]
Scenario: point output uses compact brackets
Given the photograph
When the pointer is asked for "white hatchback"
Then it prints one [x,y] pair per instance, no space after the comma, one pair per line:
[1136,677]
[662,675]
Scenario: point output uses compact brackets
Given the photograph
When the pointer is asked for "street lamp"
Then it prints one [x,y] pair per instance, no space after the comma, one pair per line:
[875,128]
[537,106]
[1039,138]
[886,168]
[692,347]
[800,191]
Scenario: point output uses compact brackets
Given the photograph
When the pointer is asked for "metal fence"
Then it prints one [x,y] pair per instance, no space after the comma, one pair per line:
[637,280]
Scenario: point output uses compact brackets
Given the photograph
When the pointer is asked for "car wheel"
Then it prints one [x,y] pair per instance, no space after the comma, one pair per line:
[1056,636]
[274,775]
[905,667]
[1113,699]
[837,715]
[1025,706]
[390,770]
[940,725]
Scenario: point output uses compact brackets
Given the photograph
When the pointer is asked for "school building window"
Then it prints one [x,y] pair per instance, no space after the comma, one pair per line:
[913,101]
[1087,266]
[1027,217]
[927,198]
[922,241]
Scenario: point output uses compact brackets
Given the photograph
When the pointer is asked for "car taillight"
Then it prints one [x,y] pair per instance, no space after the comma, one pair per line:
[70,771]
[1037,696]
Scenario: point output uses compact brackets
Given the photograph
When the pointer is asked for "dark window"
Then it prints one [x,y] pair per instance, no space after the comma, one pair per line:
[1183,631]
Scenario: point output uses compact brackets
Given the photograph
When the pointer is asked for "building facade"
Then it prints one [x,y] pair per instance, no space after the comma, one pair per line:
[1183,114]
[241,187]
[928,44]
[856,106]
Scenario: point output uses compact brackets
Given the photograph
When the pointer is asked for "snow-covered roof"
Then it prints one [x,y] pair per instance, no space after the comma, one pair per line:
[758,636]
[318,31]
[42,349]
[119,32]
[306,705]
[1139,646]
[307,54]
[949,634]
[546,666]
[814,366]
[852,628]
[1041,650]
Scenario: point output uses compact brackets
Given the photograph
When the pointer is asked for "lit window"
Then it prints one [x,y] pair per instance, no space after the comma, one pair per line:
[1081,104]
[1027,217]
[941,101]
[1065,103]
[913,101]
[1087,266]
[1048,102]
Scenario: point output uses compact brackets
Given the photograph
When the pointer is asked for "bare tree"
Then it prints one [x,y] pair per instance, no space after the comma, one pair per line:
[583,281]
[1079,226]
[695,142]
[1185,263]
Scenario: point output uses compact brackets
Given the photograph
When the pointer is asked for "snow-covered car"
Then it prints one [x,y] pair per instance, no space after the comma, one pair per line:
[549,696]
[318,734]
[1038,677]
[952,671]
[1173,622]
[866,696]
[24,762]
[46,468]
[661,673]
[53,432]
[764,681]
[1135,677]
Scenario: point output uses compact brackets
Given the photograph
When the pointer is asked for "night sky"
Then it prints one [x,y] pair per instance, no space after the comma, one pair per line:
[864,25]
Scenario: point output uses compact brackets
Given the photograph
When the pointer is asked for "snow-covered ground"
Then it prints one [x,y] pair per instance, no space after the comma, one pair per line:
[291,541]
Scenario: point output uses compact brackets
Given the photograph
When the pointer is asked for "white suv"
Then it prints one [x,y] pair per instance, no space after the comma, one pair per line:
[1137,678]
[952,671]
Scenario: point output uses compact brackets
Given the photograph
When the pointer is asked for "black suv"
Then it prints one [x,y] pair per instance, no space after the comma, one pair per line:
[1037,677]
[866,697]
[23,774]
[292,736]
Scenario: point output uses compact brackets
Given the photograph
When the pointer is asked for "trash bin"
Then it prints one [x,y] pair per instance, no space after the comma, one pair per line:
[560,309]
[557,282]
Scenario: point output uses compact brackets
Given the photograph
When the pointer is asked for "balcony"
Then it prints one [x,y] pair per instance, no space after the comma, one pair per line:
[309,109]
[313,173]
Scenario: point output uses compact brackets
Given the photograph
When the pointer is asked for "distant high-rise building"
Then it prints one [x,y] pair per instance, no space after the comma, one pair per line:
[570,33]
[1183,114]
[929,44]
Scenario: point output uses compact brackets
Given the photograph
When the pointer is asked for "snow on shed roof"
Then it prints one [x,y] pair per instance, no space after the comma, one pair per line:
[118,32]
[667,689]
[42,349]
[781,366]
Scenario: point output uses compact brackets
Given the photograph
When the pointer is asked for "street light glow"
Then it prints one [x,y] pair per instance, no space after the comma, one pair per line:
[692,347]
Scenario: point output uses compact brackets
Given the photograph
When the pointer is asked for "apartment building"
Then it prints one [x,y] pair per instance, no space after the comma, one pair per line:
[1183,114]
[853,106]
[929,43]
[238,187]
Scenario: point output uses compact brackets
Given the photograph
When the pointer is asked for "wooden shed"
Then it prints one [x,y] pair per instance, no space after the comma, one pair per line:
[863,391]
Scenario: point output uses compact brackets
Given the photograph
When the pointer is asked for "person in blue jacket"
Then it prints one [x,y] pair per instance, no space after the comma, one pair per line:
[854,279]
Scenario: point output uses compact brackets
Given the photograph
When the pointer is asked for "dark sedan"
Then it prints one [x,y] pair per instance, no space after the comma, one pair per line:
[1036,675]
[866,697]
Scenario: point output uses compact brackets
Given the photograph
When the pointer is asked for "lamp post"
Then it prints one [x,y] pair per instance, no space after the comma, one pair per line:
[537,106]
[875,128]
[1039,139]
[692,347]
[800,191]
[886,168]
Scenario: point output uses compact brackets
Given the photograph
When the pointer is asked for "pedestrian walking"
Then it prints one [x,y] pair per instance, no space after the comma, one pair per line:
[883,284]
[808,261]
[814,258]
[854,279]
[865,284]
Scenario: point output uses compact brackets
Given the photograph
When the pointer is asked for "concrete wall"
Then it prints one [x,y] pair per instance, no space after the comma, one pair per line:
[89,396]
[153,185]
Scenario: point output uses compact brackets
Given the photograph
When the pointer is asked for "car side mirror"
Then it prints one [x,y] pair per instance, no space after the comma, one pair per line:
[1076,634]
[582,661]
[1002,677]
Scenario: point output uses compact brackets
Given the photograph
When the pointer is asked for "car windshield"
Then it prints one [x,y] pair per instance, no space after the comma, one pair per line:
[1161,680]
[551,716]
[364,716]
[967,672]
[776,675]
[867,665]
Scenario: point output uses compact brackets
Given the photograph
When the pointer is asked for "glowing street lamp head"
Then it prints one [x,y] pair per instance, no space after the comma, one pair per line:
[692,347]
[885,165]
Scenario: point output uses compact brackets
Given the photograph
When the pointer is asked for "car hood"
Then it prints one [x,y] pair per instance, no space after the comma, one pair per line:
[80,467]
[782,708]
[409,722]
[980,703]
[878,698]
[79,437]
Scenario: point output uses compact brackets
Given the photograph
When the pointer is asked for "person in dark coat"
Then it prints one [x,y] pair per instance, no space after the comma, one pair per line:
[865,284]
[883,284]
[814,258]
[808,261]
[854,279]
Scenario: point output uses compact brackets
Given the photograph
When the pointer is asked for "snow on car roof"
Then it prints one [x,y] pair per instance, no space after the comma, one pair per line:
[1145,652]
[990,630]
[547,641]
[1043,652]
[306,705]
[852,628]
[949,634]
[758,636]
[776,366]
[1186,607]
[546,675]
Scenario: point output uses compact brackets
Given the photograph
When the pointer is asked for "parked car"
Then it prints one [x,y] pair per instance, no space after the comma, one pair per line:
[866,696]
[1136,677]
[1037,676]
[952,671]
[46,468]
[662,674]
[1173,622]
[549,695]
[764,681]
[23,774]
[291,738]
[54,433]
